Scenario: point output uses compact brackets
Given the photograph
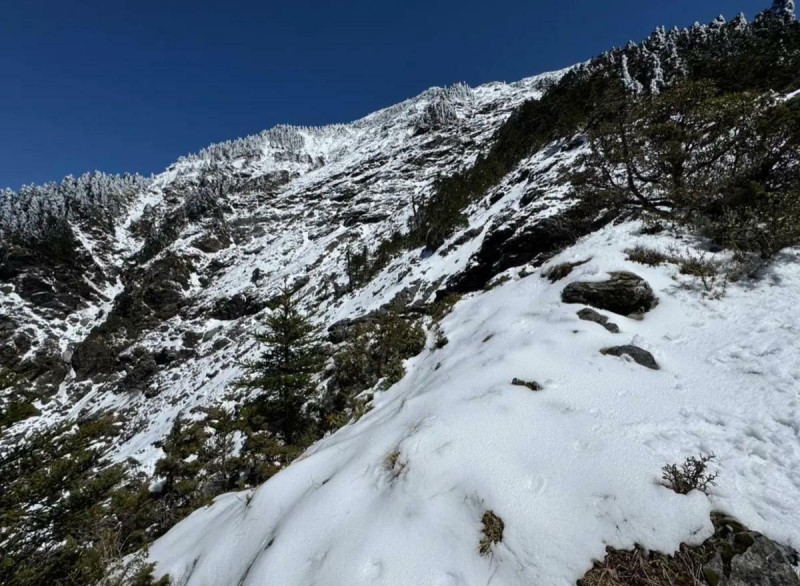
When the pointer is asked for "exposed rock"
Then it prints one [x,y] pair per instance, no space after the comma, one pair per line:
[732,556]
[511,244]
[624,293]
[139,375]
[532,385]
[211,242]
[747,558]
[94,356]
[240,305]
[563,270]
[639,355]
[191,338]
[587,314]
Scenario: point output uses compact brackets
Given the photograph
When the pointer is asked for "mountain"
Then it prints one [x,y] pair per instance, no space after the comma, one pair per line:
[527,307]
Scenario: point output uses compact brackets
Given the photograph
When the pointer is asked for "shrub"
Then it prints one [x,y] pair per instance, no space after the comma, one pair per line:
[15,411]
[647,256]
[394,464]
[640,568]
[375,352]
[493,527]
[691,475]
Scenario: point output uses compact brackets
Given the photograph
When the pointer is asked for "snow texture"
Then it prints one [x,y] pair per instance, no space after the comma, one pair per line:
[570,469]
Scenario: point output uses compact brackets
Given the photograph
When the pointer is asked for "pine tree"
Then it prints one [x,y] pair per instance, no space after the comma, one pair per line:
[285,372]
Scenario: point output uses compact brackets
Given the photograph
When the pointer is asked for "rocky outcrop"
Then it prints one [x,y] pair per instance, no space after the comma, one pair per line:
[624,293]
[746,558]
[240,305]
[513,244]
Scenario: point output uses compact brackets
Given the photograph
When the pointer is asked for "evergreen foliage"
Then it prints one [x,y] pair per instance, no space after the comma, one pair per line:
[375,351]
[96,197]
[285,373]
[723,162]
[749,59]
[67,517]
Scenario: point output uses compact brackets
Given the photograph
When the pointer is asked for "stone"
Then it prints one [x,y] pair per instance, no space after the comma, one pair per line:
[639,355]
[624,293]
[563,270]
[747,558]
[591,315]
[532,385]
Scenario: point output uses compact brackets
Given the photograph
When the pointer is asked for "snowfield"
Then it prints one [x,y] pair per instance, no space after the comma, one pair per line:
[570,469]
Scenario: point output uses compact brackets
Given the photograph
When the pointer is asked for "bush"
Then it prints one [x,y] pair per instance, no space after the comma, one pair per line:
[691,475]
[493,527]
[66,515]
[647,256]
[723,163]
[640,568]
[375,352]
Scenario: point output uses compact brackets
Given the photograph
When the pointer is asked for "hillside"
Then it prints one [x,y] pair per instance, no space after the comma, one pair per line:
[526,300]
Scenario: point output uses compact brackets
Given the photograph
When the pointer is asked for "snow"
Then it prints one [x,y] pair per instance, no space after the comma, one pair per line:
[570,469]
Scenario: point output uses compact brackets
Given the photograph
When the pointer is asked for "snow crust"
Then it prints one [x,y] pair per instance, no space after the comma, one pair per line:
[570,469]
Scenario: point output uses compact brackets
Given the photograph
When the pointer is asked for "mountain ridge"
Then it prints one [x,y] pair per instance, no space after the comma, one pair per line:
[130,304]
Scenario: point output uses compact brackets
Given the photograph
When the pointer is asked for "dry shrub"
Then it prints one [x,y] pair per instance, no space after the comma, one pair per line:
[691,475]
[639,568]
[492,532]
[395,466]
[647,256]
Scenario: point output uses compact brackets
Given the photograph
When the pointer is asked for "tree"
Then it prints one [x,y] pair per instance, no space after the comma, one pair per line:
[725,163]
[285,373]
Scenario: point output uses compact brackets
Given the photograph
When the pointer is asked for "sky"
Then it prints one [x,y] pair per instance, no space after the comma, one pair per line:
[130,86]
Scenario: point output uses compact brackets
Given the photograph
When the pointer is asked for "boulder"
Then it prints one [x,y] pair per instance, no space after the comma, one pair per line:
[639,355]
[747,558]
[587,314]
[624,293]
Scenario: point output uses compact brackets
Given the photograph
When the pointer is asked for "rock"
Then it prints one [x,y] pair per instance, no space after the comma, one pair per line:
[639,355]
[560,271]
[747,558]
[513,242]
[532,385]
[191,338]
[591,315]
[94,356]
[211,242]
[624,293]
[139,376]
[231,308]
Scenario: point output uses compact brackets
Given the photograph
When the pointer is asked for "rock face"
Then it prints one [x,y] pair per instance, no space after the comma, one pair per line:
[624,293]
[639,355]
[587,314]
[747,558]
[510,244]
[235,307]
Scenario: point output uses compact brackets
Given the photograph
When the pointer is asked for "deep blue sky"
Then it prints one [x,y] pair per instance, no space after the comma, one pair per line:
[123,85]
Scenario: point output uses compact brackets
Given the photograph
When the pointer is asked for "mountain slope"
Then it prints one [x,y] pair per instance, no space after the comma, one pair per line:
[130,307]
[570,469]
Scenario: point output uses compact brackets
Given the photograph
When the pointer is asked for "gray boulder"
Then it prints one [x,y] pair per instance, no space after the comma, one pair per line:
[639,355]
[624,293]
[591,315]
[747,558]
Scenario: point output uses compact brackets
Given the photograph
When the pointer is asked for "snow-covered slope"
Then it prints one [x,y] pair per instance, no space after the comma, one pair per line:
[139,297]
[236,221]
[570,469]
